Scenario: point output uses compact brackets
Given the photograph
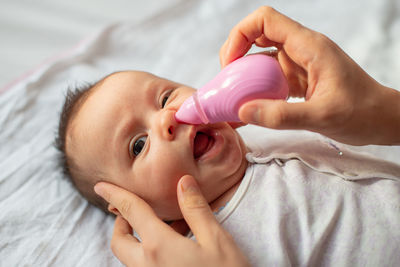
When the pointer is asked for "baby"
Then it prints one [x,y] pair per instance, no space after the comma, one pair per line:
[307,202]
[123,130]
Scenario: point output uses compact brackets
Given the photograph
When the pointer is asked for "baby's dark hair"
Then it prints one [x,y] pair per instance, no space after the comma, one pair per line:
[74,99]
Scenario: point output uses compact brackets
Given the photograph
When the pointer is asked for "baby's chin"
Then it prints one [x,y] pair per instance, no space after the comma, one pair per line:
[172,213]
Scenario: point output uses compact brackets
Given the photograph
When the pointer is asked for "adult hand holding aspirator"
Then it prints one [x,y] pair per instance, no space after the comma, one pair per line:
[342,101]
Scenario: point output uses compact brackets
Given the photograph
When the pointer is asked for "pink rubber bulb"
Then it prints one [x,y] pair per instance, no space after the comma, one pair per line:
[251,77]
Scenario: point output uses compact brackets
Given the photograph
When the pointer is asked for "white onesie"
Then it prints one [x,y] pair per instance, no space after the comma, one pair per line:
[308,203]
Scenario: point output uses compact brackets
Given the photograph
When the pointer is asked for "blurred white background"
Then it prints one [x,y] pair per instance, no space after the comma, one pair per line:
[33,31]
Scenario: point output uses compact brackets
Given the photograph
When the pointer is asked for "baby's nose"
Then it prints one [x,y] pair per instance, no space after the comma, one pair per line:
[168,124]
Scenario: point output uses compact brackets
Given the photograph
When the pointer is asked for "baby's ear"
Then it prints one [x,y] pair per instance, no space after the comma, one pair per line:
[113,209]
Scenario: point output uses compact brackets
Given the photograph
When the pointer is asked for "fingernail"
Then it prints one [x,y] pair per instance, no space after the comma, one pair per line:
[190,194]
[189,186]
[99,190]
[251,114]
[227,53]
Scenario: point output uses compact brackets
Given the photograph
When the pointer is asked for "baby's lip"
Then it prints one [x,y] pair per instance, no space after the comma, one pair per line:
[205,130]
[192,135]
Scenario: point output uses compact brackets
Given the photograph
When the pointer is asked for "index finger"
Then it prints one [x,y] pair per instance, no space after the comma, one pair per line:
[197,212]
[134,209]
[266,23]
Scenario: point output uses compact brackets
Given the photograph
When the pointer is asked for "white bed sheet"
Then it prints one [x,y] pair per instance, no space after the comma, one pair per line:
[44,221]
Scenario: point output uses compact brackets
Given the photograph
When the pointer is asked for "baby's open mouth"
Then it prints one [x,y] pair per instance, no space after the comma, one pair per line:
[203,142]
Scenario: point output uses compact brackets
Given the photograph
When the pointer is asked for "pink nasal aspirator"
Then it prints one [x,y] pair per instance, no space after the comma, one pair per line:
[247,78]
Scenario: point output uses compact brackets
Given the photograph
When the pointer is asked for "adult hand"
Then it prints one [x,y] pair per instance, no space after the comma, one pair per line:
[161,245]
[342,101]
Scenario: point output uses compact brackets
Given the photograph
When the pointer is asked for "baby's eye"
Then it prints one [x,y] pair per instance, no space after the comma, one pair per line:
[138,145]
[165,98]
[164,101]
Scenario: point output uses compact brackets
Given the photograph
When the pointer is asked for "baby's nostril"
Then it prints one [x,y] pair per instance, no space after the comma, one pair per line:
[171,130]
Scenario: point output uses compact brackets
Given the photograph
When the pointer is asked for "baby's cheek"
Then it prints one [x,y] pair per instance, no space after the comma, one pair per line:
[164,196]
[164,181]
[172,167]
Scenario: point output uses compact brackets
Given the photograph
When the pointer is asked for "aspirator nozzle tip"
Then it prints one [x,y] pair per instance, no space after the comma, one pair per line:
[187,113]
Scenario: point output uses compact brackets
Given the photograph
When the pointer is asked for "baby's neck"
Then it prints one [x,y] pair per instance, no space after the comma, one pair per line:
[223,199]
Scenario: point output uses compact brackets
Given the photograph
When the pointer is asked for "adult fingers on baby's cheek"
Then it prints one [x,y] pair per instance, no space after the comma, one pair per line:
[180,226]
[101,190]
[118,197]
[196,211]
[135,210]
[122,227]
[124,246]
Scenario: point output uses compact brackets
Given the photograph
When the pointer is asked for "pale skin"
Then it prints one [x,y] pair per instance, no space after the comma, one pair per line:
[342,102]
[126,130]
[161,245]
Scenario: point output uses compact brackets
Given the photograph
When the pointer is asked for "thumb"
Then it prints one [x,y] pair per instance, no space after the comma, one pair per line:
[278,114]
[196,211]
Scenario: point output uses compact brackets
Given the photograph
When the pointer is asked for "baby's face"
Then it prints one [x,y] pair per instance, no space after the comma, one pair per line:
[127,130]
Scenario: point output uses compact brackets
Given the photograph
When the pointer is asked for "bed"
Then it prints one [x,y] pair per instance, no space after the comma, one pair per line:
[48,46]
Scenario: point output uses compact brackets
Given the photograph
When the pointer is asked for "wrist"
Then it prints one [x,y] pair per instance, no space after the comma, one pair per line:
[391,117]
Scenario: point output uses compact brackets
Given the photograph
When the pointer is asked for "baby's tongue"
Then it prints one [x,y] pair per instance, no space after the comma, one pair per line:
[200,144]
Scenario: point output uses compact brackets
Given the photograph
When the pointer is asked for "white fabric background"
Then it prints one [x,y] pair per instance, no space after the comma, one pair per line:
[43,220]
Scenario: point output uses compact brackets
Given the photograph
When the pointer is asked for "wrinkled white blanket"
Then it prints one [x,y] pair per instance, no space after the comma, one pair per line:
[43,220]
